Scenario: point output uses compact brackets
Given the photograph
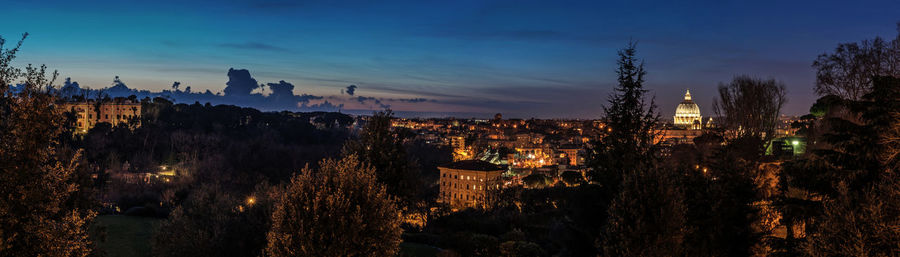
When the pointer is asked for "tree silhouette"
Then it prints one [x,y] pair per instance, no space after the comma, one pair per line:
[844,192]
[215,222]
[748,108]
[378,145]
[849,70]
[648,217]
[627,143]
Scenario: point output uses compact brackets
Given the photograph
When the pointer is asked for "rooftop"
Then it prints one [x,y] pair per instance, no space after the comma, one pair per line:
[478,165]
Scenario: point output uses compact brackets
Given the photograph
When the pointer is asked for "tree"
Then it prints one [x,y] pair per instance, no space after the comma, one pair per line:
[722,201]
[520,249]
[213,222]
[844,192]
[859,223]
[36,181]
[572,178]
[338,210]
[849,70]
[537,180]
[627,143]
[748,108]
[648,216]
[383,148]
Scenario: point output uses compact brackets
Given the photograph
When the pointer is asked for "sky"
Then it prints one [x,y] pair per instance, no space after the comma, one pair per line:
[543,59]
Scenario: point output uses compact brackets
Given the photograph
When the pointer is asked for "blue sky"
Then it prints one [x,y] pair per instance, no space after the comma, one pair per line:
[521,58]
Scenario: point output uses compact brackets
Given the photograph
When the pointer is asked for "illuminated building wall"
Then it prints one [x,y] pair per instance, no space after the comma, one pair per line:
[114,113]
[466,183]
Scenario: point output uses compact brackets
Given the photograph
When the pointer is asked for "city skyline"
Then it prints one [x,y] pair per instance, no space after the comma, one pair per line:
[522,59]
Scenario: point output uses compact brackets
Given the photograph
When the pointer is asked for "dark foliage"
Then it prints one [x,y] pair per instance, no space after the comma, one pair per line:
[627,143]
[841,195]
[40,210]
[383,148]
[848,72]
[338,210]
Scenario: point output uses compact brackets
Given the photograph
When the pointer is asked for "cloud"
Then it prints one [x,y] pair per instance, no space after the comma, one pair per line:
[240,83]
[324,105]
[281,89]
[410,100]
[351,89]
[70,88]
[376,101]
[254,46]
[240,91]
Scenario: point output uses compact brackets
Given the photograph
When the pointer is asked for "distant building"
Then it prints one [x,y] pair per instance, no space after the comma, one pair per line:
[679,136]
[466,183]
[119,111]
[573,154]
[687,114]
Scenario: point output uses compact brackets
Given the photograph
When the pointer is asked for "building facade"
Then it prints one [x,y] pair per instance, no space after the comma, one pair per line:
[114,112]
[687,114]
[464,184]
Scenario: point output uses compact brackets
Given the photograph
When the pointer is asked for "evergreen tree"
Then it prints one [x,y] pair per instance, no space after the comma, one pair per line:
[627,142]
[37,183]
[842,192]
[865,223]
[648,217]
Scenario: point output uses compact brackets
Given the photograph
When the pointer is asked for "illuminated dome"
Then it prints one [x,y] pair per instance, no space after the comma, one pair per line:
[687,114]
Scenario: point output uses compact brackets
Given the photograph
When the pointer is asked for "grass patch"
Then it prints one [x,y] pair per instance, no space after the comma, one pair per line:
[125,235]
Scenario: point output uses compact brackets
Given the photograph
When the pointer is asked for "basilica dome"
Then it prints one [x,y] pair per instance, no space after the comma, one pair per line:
[687,114]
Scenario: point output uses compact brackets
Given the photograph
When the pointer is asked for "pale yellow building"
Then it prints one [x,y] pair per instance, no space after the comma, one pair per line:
[114,113]
[464,184]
